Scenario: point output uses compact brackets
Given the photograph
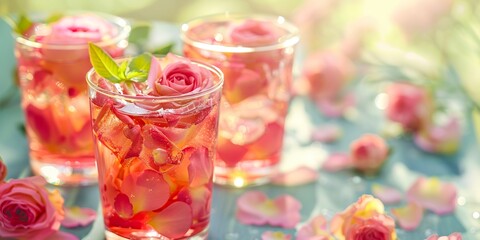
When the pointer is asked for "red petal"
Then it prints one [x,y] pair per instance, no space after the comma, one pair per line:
[173,221]
[201,167]
[122,206]
[144,187]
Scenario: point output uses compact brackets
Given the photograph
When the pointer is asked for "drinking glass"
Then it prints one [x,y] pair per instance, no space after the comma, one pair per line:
[52,63]
[256,55]
[155,156]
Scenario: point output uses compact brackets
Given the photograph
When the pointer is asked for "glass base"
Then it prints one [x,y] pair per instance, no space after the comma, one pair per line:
[66,175]
[240,177]
[152,235]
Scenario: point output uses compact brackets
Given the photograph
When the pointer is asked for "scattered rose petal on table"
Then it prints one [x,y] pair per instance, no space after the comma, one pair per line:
[255,208]
[334,108]
[336,162]
[314,229]
[78,217]
[269,235]
[442,139]
[434,195]
[408,217]
[299,176]
[453,236]
[326,133]
[386,194]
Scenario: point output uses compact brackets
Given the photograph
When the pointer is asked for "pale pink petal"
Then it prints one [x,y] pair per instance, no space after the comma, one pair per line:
[453,236]
[336,162]
[299,176]
[154,73]
[409,217]
[256,208]
[62,236]
[337,107]
[443,139]
[201,167]
[386,194]
[78,217]
[145,186]
[269,235]
[327,133]
[434,195]
[173,221]
[315,229]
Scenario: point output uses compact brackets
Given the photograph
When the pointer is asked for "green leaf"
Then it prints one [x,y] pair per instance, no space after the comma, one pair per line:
[140,63]
[103,63]
[122,70]
[164,49]
[137,76]
[23,24]
[54,17]
[139,34]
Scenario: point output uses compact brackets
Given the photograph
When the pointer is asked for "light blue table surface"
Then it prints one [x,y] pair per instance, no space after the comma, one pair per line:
[331,193]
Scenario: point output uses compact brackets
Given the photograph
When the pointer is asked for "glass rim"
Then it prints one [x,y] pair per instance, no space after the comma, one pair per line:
[158,99]
[123,33]
[290,39]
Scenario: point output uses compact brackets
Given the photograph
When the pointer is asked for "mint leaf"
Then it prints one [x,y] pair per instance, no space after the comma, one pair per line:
[23,24]
[54,17]
[139,34]
[103,63]
[139,67]
[164,49]
[122,70]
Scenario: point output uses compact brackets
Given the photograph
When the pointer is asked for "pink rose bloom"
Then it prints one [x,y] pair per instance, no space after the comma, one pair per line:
[409,105]
[363,220]
[28,210]
[328,74]
[79,30]
[178,77]
[453,236]
[254,33]
[368,153]
[3,170]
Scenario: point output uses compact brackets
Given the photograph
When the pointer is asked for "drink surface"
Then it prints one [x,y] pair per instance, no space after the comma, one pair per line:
[256,59]
[52,63]
[155,157]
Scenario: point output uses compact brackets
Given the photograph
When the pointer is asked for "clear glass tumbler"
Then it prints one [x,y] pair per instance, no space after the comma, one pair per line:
[256,55]
[155,152]
[52,63]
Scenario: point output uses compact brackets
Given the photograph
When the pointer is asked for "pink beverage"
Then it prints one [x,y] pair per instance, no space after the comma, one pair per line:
[52,63]
[155,147]
[256,55]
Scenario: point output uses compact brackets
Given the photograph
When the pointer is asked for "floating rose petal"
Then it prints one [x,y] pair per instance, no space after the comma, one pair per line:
[453,236]
[409,217]
[201,167]
[327,133]
[256,208]
[122,206]
[62,236]
[78,217]
[143,187]
[386,194]
[269,235]
[173,221]
[336,162]
[299,176]
[315,229]
[434,195]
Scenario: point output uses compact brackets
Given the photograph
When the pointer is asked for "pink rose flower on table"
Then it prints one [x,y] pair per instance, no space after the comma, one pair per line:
[179,77]
[28,210]
[453,236]
[409,105]
[368,153]
[364,220]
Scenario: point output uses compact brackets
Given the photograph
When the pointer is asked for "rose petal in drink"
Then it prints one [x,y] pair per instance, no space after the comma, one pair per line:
[147,190]
[159,152]
[229,152]
[122,206]
[134,134]
[200,168]
[173,221]
[38,120]
[269,143]
[243,83]
[199,200]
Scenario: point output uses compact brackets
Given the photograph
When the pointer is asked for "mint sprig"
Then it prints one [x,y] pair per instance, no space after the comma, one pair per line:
[134,70]
[23,24]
